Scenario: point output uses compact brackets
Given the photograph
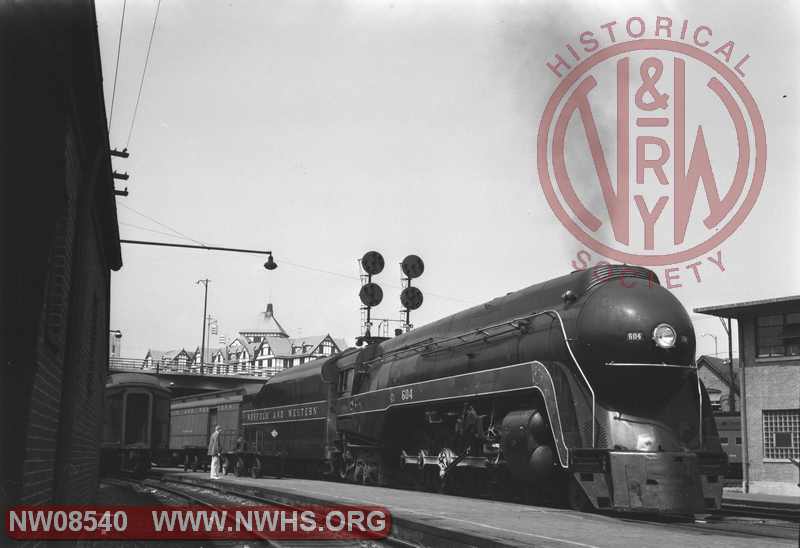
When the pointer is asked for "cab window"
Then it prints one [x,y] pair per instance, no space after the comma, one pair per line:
[345,378]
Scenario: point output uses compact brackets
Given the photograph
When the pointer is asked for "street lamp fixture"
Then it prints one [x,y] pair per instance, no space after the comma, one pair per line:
[269,265]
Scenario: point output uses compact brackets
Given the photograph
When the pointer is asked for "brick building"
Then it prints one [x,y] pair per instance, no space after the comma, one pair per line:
[769,355]
[59,242]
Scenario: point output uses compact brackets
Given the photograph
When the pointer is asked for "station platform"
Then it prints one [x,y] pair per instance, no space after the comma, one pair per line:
[430,519]
[760,499]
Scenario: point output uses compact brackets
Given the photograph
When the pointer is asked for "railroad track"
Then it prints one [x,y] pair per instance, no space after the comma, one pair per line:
[777,524]
[219,496]
[412,532]
[760,511]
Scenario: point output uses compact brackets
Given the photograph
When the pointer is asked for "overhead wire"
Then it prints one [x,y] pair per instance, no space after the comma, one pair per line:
[171,234]
[176,233]
[144,73]
[116,66]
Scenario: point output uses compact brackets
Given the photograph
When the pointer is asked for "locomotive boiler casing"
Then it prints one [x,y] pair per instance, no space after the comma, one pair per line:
[627,418]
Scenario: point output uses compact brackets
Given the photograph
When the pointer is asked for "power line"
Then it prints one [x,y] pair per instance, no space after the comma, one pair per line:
[181,234]
[314,269]
[116,66]
[176,233]
[151,230]
[144,72]
[353,277]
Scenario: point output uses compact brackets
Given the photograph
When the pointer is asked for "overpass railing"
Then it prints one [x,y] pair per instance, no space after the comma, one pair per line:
[136,365]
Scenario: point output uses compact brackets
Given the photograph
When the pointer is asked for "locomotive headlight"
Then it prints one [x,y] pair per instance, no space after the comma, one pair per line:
[664,335]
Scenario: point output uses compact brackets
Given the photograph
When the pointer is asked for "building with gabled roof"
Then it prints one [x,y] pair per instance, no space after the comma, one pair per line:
[262,350]
[722,388]
[152,358]
[266,325]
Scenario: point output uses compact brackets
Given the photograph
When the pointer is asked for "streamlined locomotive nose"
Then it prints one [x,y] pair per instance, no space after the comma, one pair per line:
[634,321]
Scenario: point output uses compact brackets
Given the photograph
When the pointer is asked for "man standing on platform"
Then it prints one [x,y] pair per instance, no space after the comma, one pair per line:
[214,450]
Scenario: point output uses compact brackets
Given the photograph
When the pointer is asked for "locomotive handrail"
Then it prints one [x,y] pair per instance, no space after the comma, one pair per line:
[521,323]
[662,364]
[700,406]
[578,365]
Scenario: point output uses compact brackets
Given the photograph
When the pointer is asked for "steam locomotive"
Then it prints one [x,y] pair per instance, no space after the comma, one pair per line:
[581,390]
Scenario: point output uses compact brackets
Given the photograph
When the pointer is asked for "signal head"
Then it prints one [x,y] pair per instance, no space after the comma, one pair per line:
[412,266]
[411,298]
[371,294]
[372,262]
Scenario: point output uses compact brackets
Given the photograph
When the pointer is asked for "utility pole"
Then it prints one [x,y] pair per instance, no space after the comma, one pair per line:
[205,307]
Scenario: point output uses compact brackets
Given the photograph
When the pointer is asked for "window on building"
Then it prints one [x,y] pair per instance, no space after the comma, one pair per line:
[781,433]
[723,441]
[776,335]
[738,441]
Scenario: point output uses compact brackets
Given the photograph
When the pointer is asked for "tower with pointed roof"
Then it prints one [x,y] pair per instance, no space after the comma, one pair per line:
[266,325]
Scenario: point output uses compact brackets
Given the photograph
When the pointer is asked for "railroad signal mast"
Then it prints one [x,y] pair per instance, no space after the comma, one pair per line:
[371,294]
[411,297]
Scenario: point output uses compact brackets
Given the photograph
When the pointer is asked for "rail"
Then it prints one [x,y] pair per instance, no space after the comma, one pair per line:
[215,493]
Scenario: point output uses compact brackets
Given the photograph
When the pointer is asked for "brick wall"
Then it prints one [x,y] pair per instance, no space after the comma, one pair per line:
[769,384]
[59,227]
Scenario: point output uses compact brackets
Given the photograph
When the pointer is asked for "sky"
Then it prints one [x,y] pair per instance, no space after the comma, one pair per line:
[324,129]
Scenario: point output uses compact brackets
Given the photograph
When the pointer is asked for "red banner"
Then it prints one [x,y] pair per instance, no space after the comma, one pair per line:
[197,522]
